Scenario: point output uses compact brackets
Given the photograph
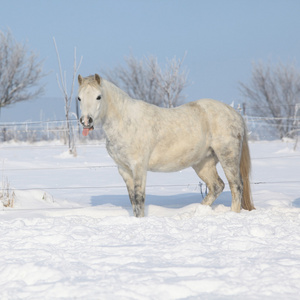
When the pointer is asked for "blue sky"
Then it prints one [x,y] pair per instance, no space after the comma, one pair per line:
[221,38]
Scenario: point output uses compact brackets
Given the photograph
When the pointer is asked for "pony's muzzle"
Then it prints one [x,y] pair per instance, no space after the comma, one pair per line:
[87,122]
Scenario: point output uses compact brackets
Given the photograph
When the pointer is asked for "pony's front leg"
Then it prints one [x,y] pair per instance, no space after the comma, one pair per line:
[128,179]
[135,183]
[138,201]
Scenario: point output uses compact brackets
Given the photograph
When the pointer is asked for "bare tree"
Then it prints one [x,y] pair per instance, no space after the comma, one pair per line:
[145,79]
[20,71]
[273,93]
[62,83]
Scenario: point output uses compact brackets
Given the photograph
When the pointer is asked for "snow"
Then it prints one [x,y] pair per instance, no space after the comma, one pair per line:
[71,233]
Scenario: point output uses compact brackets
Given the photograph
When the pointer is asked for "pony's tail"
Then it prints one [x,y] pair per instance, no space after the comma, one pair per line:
[245,168]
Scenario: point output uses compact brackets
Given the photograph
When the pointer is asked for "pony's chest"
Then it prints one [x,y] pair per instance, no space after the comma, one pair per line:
[117,152]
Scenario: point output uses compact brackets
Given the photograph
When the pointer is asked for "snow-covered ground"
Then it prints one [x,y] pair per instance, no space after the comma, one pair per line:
[71,233]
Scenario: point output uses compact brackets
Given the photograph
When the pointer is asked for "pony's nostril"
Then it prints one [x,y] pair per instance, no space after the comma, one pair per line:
[86,121]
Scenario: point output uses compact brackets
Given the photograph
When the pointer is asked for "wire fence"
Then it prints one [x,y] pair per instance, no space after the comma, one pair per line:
[199,185]
[95,167]
[188,185]
[260,128]
[44,131]
[266,128]
[31,132]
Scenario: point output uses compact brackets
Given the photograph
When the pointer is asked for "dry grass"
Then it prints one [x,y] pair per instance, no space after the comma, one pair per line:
[7,195]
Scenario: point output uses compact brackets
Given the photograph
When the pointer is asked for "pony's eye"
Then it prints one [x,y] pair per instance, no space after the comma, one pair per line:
[79,99]
[99,97]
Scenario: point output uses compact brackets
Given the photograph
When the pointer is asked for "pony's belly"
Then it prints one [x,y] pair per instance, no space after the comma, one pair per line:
[172,156]
[165,163]
[166,168]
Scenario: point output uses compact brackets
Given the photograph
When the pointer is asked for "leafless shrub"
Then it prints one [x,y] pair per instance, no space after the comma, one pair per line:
[144,79]
[20,71]
[62,83]
[273,92]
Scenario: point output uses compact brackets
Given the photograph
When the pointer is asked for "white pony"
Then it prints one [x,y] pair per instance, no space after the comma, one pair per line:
[142,137]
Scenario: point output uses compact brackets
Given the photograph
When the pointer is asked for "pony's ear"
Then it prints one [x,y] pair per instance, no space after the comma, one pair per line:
[80,79]
[98,79]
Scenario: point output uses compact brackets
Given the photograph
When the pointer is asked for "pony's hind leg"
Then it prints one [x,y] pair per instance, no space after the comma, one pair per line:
[207,171]
[229,158]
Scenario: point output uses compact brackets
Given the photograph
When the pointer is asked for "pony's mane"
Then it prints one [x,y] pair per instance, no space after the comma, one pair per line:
[90,80]
[115,89]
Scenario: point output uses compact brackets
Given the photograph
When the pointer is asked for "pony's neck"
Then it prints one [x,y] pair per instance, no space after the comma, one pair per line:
[116,101]
[113,90]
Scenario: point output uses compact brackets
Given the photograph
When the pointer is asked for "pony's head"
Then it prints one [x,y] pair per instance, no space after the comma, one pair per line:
[89,96]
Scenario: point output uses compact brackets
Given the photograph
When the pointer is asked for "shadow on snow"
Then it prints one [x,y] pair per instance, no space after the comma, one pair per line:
[169,201]
[296,203]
